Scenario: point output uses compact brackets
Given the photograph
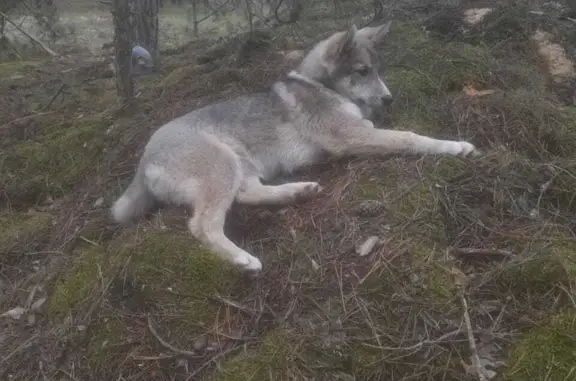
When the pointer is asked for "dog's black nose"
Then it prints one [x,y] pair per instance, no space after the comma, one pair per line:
[387,100]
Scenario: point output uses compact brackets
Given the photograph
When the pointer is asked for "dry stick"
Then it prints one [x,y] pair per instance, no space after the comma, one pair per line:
[34,39]
[472,251]
[440,340]
[212,360]
[231,303]
[166,344]
[471,341]
[24,118]
[54,97]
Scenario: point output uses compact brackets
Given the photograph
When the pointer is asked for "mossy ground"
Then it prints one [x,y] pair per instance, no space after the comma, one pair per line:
[318,311]
[547,352]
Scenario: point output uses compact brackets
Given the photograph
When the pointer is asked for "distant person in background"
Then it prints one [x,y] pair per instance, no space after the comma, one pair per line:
[142,61]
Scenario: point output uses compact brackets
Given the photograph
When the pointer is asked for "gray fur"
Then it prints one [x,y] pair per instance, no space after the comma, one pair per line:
[219,154]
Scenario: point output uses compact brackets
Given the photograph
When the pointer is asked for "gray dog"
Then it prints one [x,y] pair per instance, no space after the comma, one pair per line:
[218,155]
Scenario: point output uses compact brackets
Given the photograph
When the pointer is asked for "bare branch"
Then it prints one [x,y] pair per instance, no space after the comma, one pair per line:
[166,344]
[32,38]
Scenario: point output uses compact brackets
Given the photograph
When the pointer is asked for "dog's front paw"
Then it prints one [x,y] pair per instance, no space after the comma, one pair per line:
[463,149]
[249,263]
[307,191]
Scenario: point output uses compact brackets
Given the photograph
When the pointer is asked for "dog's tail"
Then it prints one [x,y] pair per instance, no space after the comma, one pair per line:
[134,203]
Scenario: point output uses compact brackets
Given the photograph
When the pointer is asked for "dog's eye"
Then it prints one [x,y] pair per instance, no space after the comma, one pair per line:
[363,71]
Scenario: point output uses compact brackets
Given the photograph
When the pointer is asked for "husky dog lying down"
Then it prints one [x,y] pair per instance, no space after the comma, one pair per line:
[219,154]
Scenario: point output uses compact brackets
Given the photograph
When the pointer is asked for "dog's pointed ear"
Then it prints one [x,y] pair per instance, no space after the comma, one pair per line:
[341,44]
[375,34]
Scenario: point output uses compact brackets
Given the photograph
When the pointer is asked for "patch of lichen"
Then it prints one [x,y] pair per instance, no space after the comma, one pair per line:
[267,362]
[54,163]
[545,353]
[21,230]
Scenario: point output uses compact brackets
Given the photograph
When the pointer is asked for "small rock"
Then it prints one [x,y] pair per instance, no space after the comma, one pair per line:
[200,344]
[315,265]
[475,15]
[98,203]
[368,246]
[414,278]
[15,313]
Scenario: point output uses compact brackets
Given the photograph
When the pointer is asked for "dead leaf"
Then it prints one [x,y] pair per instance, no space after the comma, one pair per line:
[37,304]
[472,92]
[458,277]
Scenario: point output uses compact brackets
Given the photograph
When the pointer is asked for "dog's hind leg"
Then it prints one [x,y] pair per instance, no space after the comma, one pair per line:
[207,224]
[253,192]
[209,189]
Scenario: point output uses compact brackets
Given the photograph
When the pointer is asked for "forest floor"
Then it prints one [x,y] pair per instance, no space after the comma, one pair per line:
[481,247]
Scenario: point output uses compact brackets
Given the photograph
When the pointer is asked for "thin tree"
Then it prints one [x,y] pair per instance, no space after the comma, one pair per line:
[123,33]
[146,19]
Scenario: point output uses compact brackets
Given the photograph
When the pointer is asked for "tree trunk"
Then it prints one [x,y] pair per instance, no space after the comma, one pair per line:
[195,17]
[146,19]
[249,15]
[123,46]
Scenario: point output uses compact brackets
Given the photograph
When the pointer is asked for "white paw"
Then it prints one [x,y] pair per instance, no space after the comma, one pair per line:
[248,263]
[308,190]
[462,149]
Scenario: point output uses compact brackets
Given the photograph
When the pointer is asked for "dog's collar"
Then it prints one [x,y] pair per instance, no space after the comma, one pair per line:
[302,78]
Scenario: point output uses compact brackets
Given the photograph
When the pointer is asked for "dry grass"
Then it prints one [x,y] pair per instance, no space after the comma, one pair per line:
[496,232]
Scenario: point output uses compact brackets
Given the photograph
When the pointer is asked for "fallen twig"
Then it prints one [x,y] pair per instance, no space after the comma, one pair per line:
[211,360]
[153,358]
[34,39]
[24,118]
[476,364]
[166,344]
[441,340]
[54,97]
[233,304]
[487,252]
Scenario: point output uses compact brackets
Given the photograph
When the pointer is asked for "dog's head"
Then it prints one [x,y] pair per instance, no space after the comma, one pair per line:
[347,63]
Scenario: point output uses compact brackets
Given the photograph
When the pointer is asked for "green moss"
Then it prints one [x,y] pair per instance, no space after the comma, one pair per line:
[70,290]
[436,280]
[104,344]
[17,67]
[55,162]
[267,362]
[430,64]
[554,262]
[369,190]
[163,260]
[170,268]
[545,353]
[563,249]
[17,229]
[367,361]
